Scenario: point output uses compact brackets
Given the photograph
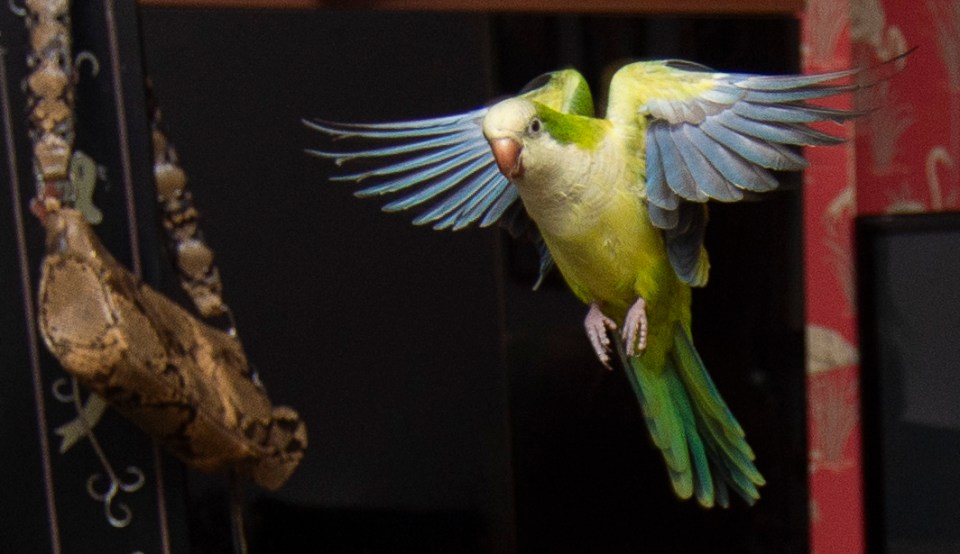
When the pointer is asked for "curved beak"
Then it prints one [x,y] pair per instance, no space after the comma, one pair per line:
[507,153]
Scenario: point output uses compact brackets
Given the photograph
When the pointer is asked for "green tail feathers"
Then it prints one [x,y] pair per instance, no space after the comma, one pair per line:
[701,442]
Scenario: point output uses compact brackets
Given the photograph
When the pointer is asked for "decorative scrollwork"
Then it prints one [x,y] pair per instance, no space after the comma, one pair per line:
[115,486]
[18,11]
[87,56]
[68,391]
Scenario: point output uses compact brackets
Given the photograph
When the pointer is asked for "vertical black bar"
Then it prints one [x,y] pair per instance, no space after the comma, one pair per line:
[26,476]
[871,420]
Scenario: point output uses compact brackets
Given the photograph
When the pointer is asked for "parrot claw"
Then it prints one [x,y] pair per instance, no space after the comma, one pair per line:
[635,328]
[597,326]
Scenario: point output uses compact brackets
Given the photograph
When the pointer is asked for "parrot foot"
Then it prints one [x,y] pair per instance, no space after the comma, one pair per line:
[635,328]
[597,326]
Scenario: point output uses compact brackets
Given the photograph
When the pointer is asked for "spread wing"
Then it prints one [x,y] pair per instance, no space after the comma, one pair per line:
[713,136]
[443,166]
[717,136]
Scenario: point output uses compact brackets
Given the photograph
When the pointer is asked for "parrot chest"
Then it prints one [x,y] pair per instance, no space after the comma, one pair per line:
[594,222]
[615,258]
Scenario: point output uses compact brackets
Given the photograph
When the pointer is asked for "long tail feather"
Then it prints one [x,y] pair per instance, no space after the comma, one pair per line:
[702,443]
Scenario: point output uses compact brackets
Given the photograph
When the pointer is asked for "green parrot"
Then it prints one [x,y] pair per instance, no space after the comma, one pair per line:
[619,205]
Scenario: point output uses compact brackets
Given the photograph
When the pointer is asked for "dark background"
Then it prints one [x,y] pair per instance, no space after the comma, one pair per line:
[909,325]
[451,409]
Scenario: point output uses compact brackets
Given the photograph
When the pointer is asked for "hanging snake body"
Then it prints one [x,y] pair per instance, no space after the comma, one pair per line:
[182,381]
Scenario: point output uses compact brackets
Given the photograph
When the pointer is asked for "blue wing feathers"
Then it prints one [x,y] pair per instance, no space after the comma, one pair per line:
[685,243]
[712,183]
[678,175]
[450,181]
[348,131]
[389,151]
[481,204]
[430,160]
[775,132]
[663,218]
[723,95]
[791,113]
[442,163]
[785,96]
[789,82]
[726,139]
[507,197]
[464,192]
[658,192]
[443,159]
[762,153]
[733,167]
[355,129]
[425,175]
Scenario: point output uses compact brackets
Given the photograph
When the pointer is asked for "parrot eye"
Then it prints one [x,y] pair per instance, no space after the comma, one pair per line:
[535,126]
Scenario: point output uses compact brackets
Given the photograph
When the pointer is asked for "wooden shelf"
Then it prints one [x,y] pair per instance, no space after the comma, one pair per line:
[568,6]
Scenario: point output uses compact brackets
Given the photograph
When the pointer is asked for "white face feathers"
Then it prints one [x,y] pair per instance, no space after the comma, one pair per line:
[509,119]
[506,126]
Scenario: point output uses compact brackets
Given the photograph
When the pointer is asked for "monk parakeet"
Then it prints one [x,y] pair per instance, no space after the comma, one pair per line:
[619,205]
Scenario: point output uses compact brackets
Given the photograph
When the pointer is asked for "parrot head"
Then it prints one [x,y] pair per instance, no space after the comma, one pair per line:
[527,137]
[508,127]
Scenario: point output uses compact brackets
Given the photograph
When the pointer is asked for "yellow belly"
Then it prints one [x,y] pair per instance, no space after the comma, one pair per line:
[619,258]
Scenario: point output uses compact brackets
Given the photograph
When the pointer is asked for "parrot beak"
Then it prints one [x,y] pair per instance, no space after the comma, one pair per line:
[507,153]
